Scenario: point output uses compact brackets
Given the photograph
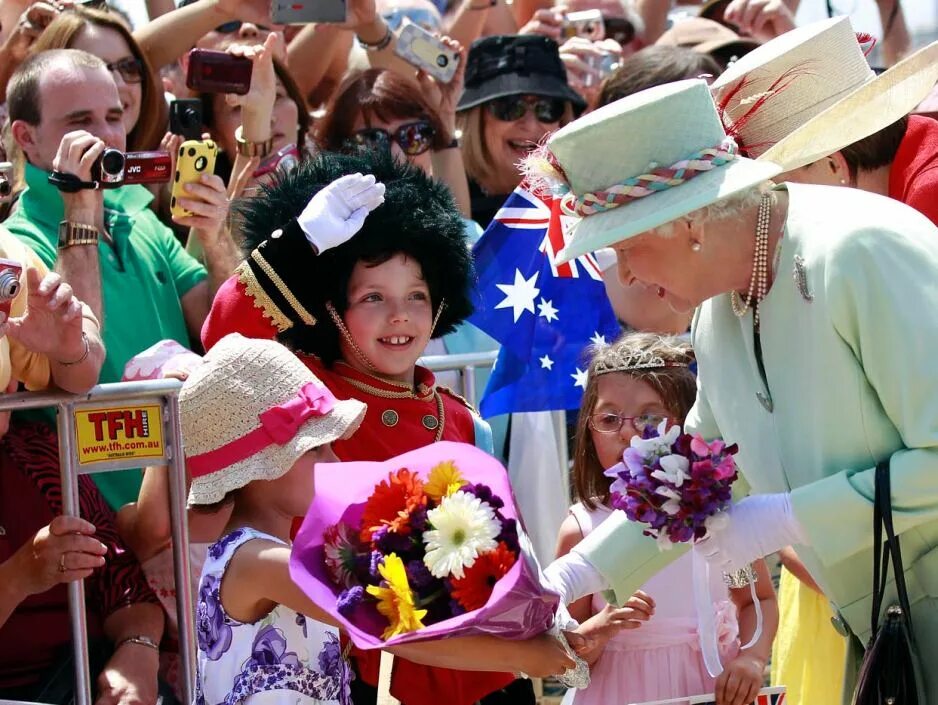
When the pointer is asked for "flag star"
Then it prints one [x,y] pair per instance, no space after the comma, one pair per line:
[546,309]
[579,378]
[598,339]
[519,297]
[546,363]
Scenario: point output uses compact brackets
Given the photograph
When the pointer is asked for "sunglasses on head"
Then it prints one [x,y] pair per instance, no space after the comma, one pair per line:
[130,69]
[514,107]
[235,26]
[620,29]
[413,138]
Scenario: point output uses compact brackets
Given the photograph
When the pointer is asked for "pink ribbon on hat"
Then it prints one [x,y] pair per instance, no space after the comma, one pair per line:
[279,424]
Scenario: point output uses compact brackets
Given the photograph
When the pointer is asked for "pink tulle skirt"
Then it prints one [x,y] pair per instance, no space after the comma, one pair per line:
[659,660]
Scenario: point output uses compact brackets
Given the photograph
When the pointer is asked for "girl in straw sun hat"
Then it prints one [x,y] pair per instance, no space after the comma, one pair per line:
[256,421]
[809,346]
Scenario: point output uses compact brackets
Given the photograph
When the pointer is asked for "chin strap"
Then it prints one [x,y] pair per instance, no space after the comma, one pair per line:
[69,183]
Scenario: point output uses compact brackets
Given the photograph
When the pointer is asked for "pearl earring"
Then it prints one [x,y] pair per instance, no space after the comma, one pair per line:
[696,246]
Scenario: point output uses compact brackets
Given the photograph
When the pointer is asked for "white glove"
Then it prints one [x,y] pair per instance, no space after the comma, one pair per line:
[756,527]
[573,577]
[337,212]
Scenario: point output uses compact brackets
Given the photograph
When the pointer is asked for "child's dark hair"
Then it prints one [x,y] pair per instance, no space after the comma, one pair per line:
[673,382]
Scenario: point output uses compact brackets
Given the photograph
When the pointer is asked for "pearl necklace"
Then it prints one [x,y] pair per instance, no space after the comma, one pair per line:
[758,283]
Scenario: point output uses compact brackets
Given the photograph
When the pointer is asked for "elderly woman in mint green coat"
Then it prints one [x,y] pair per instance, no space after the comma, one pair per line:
[816,343]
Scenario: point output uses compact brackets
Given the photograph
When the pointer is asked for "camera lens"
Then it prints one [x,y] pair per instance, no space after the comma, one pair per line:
[442,60]
[201,163]
[112,162]
[9,285]
[5,188]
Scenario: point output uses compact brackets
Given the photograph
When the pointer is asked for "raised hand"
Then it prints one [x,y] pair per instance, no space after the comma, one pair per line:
[336,213]
[52,324]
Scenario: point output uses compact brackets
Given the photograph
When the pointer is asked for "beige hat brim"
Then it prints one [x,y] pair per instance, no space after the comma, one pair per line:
[870,108]
[607,228]
[275,460]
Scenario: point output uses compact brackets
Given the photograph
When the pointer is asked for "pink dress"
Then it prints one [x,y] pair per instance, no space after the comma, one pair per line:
[661,659]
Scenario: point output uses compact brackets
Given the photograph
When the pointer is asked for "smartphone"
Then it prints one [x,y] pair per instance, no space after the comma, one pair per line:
[306,11]
[10,285]
[196,157]
[6,182]
[218,72]
[185,118]
[147,167]
[419,48]
[587,24]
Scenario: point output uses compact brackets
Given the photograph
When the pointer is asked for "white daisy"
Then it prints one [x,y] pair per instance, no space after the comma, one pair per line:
[463,527]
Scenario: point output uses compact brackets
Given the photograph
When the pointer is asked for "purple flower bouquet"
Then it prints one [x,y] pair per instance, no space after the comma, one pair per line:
[426,545]
[676,484]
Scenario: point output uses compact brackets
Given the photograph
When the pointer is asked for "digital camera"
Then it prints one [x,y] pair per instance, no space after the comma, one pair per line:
[6,182]
[588,24]
[108,169]
[10,272]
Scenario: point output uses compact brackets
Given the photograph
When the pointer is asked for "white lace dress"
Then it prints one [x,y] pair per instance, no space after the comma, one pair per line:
[283,657]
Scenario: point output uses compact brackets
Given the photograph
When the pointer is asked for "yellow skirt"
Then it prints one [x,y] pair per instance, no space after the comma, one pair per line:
[808,654]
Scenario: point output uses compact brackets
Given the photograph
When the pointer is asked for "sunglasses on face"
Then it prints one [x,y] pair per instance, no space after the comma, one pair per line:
[620,29]
[235,26]
[515,107]
[130,69]
[612,423]
[413,138]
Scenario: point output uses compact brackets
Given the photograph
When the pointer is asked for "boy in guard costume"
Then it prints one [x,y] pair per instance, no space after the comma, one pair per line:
[355,273]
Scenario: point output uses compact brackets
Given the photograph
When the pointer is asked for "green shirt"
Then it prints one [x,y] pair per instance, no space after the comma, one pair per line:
[143,277]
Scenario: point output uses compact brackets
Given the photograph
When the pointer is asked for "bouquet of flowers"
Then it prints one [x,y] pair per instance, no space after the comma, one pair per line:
[675,483]
[679,486]
[425,545]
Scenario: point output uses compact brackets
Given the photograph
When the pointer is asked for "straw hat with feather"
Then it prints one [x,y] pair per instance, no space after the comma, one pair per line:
[810,92]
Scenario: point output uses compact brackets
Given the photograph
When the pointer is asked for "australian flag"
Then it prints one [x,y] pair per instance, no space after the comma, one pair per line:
[543,314]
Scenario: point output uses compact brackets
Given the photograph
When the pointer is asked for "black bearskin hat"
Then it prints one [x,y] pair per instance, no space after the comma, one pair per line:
[418,219]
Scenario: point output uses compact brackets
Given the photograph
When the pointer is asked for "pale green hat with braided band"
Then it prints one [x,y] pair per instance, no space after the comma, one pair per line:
[641,162]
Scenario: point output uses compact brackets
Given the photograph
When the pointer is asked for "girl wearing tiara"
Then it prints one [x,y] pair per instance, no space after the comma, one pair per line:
[633,385]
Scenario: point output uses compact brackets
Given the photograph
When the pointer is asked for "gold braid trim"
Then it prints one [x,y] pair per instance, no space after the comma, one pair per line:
[261,299]
[284,290]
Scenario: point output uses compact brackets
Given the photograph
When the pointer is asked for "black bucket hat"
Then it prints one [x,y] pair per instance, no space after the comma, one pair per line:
[516,65]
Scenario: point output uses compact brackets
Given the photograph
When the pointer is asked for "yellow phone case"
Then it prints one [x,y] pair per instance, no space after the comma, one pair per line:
[196,157]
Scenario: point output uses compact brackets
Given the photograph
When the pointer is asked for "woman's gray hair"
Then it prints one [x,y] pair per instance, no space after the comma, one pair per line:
[723,209]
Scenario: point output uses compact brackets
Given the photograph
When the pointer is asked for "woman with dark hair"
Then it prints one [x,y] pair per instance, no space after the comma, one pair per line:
[105,35]
[654,66]
[516,94]
[357,296]
[269,124]
[415,119]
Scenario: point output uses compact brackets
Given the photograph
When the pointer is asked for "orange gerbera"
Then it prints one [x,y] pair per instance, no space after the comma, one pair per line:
[474,589]
[392,503]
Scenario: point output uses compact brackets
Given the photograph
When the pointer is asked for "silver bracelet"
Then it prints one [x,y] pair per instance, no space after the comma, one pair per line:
[141,640]
[84,355]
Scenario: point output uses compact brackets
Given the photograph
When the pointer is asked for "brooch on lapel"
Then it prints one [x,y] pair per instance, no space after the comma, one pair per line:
[801,279]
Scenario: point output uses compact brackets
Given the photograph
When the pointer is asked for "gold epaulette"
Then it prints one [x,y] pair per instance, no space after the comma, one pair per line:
[261,300]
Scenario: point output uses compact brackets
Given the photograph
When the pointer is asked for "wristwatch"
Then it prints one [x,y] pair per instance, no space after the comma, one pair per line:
[71,234]
[252,149]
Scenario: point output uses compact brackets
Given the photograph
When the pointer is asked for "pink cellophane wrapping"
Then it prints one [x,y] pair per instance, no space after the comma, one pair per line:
[520,606]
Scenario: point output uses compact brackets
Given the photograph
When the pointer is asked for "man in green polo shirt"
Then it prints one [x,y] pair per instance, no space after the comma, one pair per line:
[113,250]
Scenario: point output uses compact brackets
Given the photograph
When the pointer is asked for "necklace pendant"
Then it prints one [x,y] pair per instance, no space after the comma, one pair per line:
[390,418]
[430,422]
[766,401]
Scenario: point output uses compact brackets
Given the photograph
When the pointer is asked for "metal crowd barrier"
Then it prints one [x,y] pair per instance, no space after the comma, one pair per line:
[118,427]
[133,424]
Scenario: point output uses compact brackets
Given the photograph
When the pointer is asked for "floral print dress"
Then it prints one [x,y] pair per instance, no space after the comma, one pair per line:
[283,657]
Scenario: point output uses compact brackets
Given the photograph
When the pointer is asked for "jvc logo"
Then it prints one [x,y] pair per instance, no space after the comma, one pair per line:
[135,169]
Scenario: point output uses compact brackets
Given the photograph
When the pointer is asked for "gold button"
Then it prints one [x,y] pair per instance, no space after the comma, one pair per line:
[390,418]
[430,422]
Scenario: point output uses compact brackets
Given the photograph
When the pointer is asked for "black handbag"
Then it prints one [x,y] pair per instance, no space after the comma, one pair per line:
[887,674]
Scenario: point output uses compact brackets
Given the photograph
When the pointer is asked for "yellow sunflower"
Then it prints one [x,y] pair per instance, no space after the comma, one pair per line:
[444,479]
[396,601]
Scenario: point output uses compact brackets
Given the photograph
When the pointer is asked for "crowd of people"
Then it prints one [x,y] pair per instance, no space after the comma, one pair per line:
[768,198]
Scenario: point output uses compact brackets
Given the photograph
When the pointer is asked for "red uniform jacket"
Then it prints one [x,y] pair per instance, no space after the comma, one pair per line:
[391,426]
